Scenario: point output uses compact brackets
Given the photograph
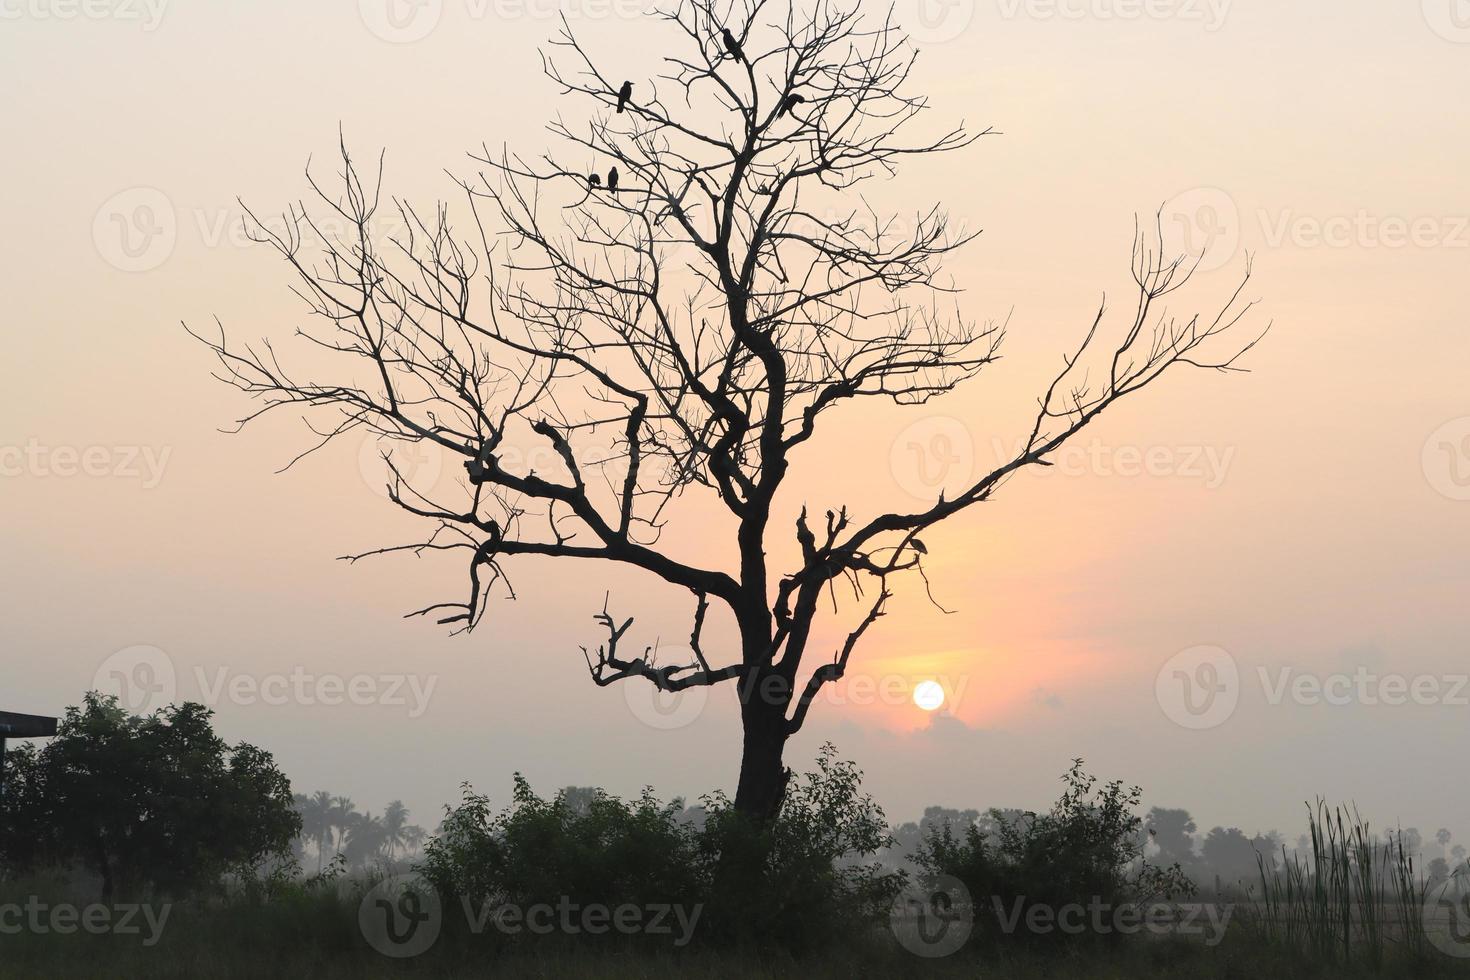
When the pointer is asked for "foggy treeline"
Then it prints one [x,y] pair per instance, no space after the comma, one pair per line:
[333,830]
[1218,859]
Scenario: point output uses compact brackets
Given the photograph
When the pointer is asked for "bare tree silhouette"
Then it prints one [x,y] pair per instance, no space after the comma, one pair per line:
[701,323]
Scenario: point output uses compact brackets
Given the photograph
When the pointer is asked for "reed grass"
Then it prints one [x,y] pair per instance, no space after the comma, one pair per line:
[1357,898]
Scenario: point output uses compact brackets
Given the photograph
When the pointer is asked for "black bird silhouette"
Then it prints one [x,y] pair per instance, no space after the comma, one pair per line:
[624,94]
[792,101]
[733,46]
[612,179]
[594,180]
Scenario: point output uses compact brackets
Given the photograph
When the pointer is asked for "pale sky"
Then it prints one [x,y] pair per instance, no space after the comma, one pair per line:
[1311,517]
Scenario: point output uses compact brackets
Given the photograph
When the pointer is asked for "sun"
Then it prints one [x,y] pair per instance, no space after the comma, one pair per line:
[928,695]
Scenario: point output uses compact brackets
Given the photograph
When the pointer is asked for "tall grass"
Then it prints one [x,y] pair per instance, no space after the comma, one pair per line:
[1355,898]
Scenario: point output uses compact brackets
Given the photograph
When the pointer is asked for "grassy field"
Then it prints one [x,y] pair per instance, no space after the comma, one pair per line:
[318,936]
[1354,906]
[1143,959]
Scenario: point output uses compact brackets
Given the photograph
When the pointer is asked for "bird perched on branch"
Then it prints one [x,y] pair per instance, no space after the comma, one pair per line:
[791,102]
[733,46]
[624,94]
[612,179]
[594,180]
[478,472]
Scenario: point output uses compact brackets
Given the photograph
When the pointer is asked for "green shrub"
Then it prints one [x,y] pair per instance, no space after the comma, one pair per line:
[1087,849]
[800,881]
[537,851]
[810,877]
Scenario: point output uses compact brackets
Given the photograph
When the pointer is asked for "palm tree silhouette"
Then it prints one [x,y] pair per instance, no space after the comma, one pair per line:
[398,833]
[365,840]
[340,817]
[316,821]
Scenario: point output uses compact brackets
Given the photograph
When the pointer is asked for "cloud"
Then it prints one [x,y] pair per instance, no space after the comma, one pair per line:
[945,726]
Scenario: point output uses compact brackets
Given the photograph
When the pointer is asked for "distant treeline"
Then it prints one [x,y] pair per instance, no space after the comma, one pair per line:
[1220,859]
[334,830]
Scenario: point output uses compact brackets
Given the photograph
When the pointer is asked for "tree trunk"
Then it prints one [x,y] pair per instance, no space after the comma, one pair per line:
[740,880]
[763,777]
[104,868]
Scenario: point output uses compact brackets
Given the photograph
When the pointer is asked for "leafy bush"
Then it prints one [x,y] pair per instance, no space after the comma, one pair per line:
[792,883]
[536,851]
[811,875]
[1087,849]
